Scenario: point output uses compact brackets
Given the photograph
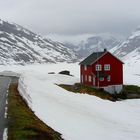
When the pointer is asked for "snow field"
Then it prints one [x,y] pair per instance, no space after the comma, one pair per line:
[79,116]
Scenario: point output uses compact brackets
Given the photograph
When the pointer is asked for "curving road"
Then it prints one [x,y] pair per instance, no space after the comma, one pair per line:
[4,84]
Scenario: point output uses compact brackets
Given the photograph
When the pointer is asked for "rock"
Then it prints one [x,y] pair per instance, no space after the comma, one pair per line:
[65,72]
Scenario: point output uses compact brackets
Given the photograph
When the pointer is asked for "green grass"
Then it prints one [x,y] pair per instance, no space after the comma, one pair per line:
[127,90]
[131,89]
[23,124]
[80,88]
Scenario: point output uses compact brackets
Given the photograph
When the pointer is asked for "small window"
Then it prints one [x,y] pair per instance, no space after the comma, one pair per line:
[85,67]
[89,79]
[101,78]
[107,67]
[108,78]
[98,67]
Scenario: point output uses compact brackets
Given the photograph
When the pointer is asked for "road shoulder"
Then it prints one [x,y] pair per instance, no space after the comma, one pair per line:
[23,124]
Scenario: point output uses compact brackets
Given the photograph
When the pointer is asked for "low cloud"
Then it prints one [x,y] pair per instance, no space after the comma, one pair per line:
[73,17]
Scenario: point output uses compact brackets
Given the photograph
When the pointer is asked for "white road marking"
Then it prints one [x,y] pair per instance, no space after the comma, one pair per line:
[6,102]
[5,115]
[5,134]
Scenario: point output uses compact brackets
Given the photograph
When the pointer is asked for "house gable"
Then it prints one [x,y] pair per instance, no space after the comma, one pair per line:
[107,54]
[94,57]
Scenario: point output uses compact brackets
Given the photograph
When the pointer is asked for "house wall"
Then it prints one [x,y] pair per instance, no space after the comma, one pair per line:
[116,71]
[87,73]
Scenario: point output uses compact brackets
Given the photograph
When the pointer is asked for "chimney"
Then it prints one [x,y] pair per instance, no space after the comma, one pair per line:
[105,49]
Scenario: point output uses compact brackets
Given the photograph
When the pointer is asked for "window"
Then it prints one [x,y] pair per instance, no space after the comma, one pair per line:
[101,78]
[89,78]
[85,67]
[98,67]
[108,78]
[107,67]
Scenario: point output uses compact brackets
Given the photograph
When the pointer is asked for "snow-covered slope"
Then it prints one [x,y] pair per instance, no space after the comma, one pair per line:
[21,46]
[79,116]
[129,52]
[94,43]
[129,48]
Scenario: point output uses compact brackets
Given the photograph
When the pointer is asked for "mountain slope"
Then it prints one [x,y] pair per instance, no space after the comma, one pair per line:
[21,46]
[129,49]
[94,43]
[129,52]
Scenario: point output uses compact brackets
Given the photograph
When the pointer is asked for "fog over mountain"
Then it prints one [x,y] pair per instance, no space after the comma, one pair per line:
[73,17]
[94,43]
[129,50]
[21,46]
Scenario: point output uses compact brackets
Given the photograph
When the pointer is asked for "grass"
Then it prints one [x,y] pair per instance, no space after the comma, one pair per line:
[80,88]
[127,90]
[131,89]
[23,124]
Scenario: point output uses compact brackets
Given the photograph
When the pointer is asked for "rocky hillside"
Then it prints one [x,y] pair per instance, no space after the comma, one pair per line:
[129,50]
[94,43]
[21,46]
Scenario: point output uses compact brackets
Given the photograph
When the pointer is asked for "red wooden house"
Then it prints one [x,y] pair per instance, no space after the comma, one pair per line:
[102,70]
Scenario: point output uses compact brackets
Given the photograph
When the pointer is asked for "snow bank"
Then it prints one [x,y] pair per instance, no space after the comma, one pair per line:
[9,73]
[132,72]
[23,90]
[79,116]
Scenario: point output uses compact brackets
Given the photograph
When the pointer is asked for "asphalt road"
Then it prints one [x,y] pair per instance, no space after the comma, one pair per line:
[4,84]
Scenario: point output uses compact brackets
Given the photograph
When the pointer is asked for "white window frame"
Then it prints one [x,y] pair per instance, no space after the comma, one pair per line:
[98,67]
[107,67]
[108,78]
[89,78]
[101,78]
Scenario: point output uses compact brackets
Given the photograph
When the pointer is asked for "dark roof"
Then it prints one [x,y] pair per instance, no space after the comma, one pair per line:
[91,58]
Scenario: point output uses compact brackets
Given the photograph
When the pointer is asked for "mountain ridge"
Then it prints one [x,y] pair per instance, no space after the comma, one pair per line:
[97,42]
[21,46]
[130,48]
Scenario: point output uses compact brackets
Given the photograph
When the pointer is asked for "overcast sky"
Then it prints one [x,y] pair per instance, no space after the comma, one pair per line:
[72,17]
